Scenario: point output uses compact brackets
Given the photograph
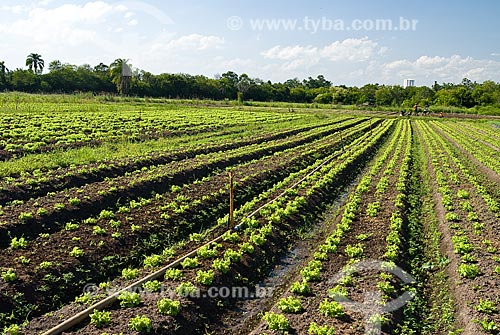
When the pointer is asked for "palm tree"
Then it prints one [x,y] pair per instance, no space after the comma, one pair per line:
[35,61]
[121,75]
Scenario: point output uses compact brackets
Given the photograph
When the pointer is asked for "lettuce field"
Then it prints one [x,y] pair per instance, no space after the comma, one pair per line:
[114,219]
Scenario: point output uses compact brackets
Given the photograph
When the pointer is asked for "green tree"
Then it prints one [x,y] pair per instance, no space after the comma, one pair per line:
[3,69]
[487,93]
[367,93]
[278,91]
[102,74]
[243,85]
[424,95]
[3,76]
[324,98]
[291,83]
[464,96]
[345,95]
[320,81]
[55,65]
[398,94]
[24,80]
[61,78]
[384,96]
[228,85]
[298,94]
[35,62]
[101,68]
[445,97]
[468,84]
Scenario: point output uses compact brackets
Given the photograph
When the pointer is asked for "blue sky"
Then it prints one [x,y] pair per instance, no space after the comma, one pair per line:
[271,40]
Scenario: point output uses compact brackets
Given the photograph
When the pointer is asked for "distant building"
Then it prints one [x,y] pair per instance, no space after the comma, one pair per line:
[408,83]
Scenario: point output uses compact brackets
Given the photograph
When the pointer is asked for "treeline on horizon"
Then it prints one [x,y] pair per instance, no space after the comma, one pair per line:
[108,79]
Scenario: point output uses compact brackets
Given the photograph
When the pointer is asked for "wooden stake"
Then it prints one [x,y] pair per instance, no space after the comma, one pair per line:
[231,201]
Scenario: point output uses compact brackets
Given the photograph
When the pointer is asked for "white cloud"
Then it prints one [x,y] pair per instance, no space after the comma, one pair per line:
[67,24]
[351,49]
[169,52]
[299,57]
[143,7]
[290,52]
[383,50]
[44,2]
[220,64]
[295,57]
[190,42]
[15,9]
[235,63]
[18,9]
[91,12]
[121,8]
[424,62]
